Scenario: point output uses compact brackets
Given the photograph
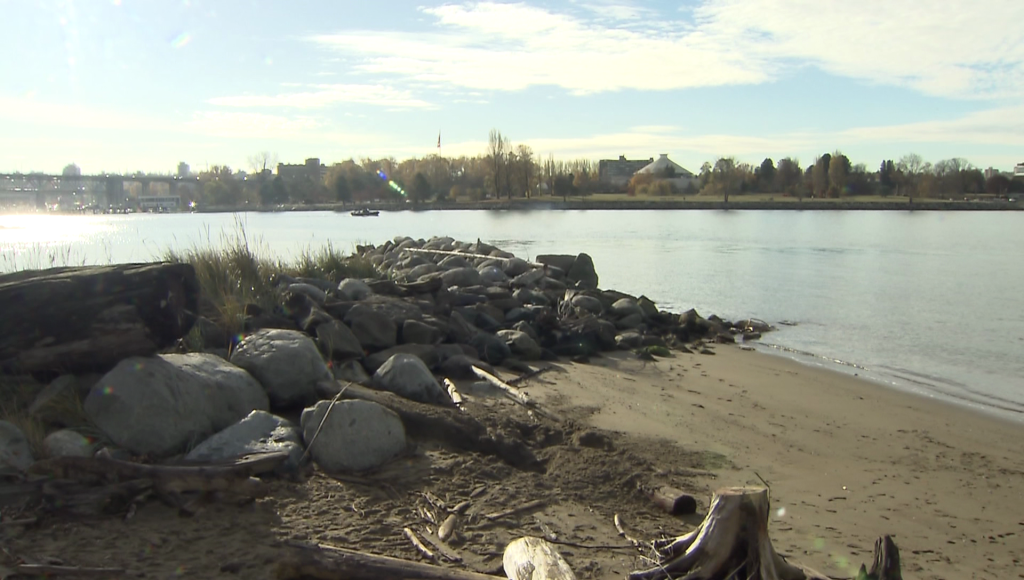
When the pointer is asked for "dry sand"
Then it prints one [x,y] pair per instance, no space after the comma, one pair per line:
[847,461]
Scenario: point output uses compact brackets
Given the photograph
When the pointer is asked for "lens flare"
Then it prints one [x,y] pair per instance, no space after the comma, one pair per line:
[181,40]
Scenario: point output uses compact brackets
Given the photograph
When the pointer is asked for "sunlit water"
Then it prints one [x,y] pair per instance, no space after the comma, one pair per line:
[929,301]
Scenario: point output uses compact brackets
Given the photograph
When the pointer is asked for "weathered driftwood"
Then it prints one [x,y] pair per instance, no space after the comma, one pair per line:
[530,505]
[514,394]
[234,477]
[731,542]
[532,558]
[674,501]
[447,527]
[418,543]
[621,528]
[453,392]
[90,318]
[446,425]
[330,563]
[45,570]
[466,255]
[527,376]
[886,565]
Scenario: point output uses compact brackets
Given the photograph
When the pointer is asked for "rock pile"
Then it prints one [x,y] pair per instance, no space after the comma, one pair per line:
[440,308]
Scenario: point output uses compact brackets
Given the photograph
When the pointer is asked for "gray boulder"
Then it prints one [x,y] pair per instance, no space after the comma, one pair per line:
[352,289]
[587,304]
[523,326]
[351,371]
[630,322]
[492,349]
[407,376]
[628,340]
[454,263]
[160,405]
[416,332]
[583,273]
[424,352]
[309,291]
[421,270]
[286,362]
[259,432]
[647,307]
[462,277]
[355,436]
[561,261]
[15,452]
[493,275]
[374,330]
[624,307]
[521,344]
[515,266]
[460,367]
[528,279]
[337,341]
[460,330]
[67,443]
[528,296]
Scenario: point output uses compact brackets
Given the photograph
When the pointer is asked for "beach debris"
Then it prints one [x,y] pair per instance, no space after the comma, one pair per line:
[674,501]
[621,528]
[886,563]
[528,506]
[325,562]
[418,543]
[531,558]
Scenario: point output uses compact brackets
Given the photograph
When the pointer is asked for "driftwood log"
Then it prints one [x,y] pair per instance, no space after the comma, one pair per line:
[446,425]
[731,542]
[886,565]
[68,320]
[330,563]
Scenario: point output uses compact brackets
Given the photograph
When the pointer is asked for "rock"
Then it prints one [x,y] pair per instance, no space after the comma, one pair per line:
[459,299]
[593,440]
[648,307]
[424,352]
[416,332]
[462,277]
[14,449]
[628,340]
[561,261]
[528,296]
[159,405]
[268,321]
[309,291]
[68,443]
[479,319]
[491,348]
[407,376]
[62,388]
[460,367]
[515,266]
[454,263]
[373,330]
[547,283]
[259,432]
[210,335]
[351,289]
[337,341]
[493,275]
[517,315]
[350,371]
[583,273]
[421,271]
[523,326]
[521,344]
[630,322]
[397,310]
[287,364]
[505,304]
[528,279]
[355,436]
[459,329]
[626,306]
[587,304]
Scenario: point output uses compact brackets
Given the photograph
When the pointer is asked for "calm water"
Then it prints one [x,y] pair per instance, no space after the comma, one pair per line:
[929,301]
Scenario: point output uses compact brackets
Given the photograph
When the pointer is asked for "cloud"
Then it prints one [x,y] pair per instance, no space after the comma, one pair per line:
[243,125]
[937,47]
[326,95]
[997,127]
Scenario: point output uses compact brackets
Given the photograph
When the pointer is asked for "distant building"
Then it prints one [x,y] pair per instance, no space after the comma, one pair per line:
[312,169]
[667,169]
[618,172]
[1018,170]
[160,202]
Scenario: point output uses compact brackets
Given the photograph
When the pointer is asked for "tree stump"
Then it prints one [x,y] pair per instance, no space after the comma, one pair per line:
[731,542]
[69,320]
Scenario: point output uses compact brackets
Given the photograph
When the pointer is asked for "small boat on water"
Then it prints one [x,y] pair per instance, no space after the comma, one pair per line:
[364,212]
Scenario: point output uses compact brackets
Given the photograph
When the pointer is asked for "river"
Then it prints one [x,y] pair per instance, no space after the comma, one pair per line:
[932,302]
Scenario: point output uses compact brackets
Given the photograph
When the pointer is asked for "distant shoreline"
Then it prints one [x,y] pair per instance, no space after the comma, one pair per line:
[618,205]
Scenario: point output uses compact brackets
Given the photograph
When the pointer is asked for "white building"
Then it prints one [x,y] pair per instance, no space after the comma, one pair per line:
[676,174]
[1018,170]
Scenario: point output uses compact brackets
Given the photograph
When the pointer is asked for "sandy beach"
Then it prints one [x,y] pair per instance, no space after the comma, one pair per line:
[846,461]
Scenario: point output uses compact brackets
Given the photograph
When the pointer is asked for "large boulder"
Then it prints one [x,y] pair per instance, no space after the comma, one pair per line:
[583,273]
[159,405]
[259,432]
[286,362]
[462,277]
[460,367]
[375,331]
[493,275]
[355,436]
[352,289]
[416,332]
[521,344]
[561,261]
[454,263]
[407,376]
[516,266]
[460,330]
[309,291]
[624,307]
[528,279]
[337,341]
[68,443]
[14,449]
[587,304]
[351,371]
[424,352]
[492,349]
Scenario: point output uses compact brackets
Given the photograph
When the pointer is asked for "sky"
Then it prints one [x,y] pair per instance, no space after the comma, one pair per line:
[139,85]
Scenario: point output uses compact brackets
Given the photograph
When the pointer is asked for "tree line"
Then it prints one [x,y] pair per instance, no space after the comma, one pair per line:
[506,170]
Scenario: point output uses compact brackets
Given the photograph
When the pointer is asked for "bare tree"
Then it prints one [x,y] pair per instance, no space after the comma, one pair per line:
[496,155]
[525,156]
[261,162]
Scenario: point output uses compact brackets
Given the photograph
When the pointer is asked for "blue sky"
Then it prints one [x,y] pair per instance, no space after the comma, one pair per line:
[142,84]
